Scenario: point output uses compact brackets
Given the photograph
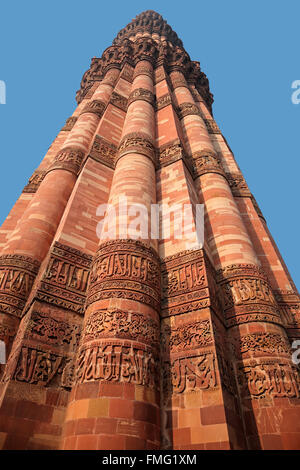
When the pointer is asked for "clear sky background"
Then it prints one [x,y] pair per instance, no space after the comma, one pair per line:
[248,49]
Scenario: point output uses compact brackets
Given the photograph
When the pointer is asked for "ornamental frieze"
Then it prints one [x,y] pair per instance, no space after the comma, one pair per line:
[184,283]
[130,52]
[145,49]
[103,151]
[163,101]
[119,101]
[269,379]
[238,185]
[126,269]
[177,82]
[34,182]
[141,94]
[238,291]
[192,335]
[206,163]
[240,269]
[53,331]
[117,362]
[120,324]
[127,73]
[270,343]
[212,126]
[184,278]
[187,109]
[172,152]
[137,142]
[249,313]
[66,278]
[17,274]
[69,159]
[246,295]
[96,107]
[38,367]
[189,374]
[70,122]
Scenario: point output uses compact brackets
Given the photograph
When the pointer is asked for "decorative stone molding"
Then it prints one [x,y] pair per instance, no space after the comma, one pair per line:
[65,280]
[96,107]
[246,295]
[119,101]
[127,73]
[206,163]
[69,159]
[34,182]
[262,343]
[269,378]
[189,374]
[141,94]
[137,142]
[17,275]
[145,49]
[188,336]
[38,366]
[187,109]
[170,153]
[103,152]
[115,362]
[115,323]
[212,126]
[289,303]
[163,54]
[69,123]
[184,283]
[163,101]
[238,185]
[125,269]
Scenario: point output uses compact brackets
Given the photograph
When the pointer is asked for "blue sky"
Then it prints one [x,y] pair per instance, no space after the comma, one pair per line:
[249,51]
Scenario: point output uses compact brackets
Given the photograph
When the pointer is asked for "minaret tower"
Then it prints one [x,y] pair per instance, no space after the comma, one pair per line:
[119,341]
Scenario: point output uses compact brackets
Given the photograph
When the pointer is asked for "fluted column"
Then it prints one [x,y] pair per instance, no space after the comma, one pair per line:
[260,349]
[116,390]
[30,241]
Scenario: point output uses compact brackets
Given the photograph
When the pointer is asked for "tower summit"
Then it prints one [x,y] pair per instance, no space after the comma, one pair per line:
[122,331]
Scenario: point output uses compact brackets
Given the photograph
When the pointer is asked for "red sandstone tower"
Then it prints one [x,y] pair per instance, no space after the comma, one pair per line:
[126,343]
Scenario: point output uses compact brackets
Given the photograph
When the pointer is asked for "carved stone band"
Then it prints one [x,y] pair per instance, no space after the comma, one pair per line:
[66,278]
[34,182]
[103,151]
[137,143]
[141,94]
[163,101]
[187,109]
[17,274]
[69,159]
[184,283]
[125,269]
[246,295]
[206,164]
[119,101]
[96,107]
[238,185]
[69,123]
[212,126]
